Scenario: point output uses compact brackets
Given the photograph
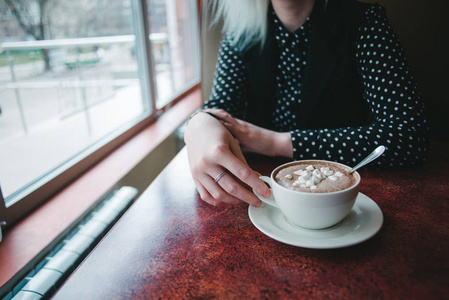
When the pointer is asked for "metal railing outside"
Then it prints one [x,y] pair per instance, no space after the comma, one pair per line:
[75,61]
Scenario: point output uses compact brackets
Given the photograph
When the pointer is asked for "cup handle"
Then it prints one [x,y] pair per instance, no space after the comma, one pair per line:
[270,201]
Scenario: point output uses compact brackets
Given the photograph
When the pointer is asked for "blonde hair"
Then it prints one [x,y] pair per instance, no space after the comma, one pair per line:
[245,21]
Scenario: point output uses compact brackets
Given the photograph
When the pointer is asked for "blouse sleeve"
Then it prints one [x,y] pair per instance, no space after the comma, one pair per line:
[389,88]
[230,81]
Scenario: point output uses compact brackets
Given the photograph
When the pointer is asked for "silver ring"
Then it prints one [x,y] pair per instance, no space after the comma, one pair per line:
[219,176]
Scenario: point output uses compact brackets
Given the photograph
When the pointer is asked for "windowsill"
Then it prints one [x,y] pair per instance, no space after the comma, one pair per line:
[28,240]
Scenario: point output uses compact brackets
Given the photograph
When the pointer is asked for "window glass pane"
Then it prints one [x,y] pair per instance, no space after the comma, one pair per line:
[69,79]
[174,43]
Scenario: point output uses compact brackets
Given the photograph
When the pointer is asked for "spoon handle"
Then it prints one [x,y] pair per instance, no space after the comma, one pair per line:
[375,154]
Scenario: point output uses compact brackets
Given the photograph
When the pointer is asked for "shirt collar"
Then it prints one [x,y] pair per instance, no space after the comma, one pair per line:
[282,34]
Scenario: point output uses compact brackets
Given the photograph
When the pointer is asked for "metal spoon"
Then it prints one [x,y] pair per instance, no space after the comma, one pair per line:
[375,154]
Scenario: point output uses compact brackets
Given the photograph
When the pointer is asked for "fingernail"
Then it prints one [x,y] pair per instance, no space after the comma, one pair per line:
[267,194]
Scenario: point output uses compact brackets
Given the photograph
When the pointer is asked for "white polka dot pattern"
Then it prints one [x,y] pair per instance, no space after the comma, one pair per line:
[292,47]
[229,85]
[389,89]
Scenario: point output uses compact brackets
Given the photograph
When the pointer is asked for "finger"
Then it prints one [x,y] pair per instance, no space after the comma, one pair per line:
[235,189]
[204,194]
[231,128]
[240,169]
[217,111]
[218,193]
[237,151]
[222,114]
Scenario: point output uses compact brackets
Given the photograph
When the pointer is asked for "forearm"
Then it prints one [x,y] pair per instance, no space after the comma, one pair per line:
[270,143]
[281,144]
[406,145]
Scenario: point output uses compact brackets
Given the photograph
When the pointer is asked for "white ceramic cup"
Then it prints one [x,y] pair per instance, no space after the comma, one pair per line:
[311,210]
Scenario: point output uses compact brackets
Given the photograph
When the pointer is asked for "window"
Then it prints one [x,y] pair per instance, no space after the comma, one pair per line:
[77,77]
[176,54]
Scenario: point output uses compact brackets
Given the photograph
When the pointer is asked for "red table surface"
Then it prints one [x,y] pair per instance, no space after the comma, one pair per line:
[170,244]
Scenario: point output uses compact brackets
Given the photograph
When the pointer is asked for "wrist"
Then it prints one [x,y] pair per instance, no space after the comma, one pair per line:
[282,144]
[193,124]
[197,122]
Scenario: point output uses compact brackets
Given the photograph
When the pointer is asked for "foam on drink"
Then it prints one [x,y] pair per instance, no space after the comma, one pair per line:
[315,177]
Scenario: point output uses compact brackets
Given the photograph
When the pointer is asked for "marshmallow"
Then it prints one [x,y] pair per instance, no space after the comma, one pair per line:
[311,177]
[324,169]
[302,180]
[318,174]
[306,174]
[315,179]
[328,172]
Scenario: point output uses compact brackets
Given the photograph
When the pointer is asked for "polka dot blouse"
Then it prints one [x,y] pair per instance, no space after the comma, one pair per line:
[389,89]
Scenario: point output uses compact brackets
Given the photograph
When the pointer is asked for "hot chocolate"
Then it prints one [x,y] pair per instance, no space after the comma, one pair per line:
[313,194]
[315,177]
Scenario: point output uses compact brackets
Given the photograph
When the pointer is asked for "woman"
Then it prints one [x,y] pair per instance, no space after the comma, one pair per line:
[303,79]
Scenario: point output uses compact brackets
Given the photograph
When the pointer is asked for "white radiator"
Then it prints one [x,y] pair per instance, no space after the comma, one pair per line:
[50,272]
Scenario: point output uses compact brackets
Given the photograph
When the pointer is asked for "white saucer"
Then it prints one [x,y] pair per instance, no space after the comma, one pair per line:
[362,223]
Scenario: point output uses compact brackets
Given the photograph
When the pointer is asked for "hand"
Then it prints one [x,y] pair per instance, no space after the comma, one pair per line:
[211,150]
[256,139]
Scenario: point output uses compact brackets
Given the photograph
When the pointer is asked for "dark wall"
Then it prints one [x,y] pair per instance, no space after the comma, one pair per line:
[424,35]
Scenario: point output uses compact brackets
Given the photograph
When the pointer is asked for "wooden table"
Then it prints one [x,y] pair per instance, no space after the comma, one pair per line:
[171,245]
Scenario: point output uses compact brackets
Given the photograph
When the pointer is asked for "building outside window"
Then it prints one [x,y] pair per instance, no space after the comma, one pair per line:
[76,75]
